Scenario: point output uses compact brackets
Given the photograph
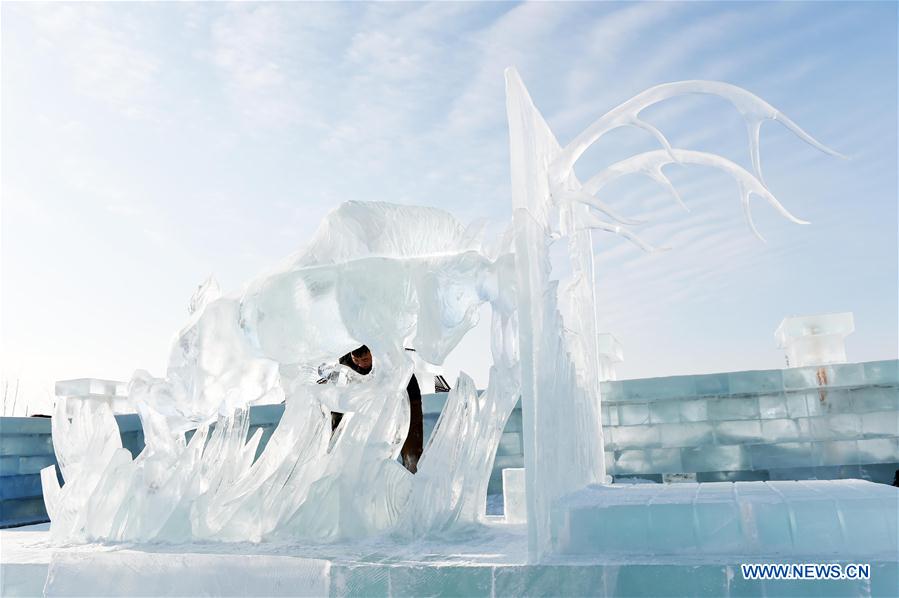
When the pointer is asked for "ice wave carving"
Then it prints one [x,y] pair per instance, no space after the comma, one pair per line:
[391,277]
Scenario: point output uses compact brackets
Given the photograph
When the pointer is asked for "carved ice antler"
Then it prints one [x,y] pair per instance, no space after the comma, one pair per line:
[651,164]
[754,109]
[592,222]
[580,196]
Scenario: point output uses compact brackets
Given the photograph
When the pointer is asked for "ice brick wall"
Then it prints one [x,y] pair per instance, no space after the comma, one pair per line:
[836,421]
[25,448]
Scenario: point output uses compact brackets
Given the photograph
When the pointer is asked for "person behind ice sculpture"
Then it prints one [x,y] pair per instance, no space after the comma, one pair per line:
[359,361]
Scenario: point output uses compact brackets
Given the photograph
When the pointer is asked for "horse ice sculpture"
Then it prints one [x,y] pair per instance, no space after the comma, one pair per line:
[387,276]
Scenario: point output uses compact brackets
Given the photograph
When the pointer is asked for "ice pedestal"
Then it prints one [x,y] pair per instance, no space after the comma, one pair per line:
[815,340]
[827,519]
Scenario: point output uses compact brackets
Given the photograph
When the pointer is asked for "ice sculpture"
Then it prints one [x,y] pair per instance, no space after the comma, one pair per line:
[390,277]
[559,355]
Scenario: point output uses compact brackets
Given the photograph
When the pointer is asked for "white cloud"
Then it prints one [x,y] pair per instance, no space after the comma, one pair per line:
[275,60]
[249,45]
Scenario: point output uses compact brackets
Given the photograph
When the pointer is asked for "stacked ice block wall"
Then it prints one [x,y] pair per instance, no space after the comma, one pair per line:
[826,422]
[25,449]
[831,422]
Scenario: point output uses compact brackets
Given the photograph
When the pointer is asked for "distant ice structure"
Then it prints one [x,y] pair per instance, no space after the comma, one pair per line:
[112,391]
[390,277]
[815,340]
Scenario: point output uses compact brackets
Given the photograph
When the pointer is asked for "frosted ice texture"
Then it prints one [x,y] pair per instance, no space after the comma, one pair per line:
[390,277]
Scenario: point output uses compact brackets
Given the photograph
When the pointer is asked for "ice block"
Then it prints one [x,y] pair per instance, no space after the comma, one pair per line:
[815,340]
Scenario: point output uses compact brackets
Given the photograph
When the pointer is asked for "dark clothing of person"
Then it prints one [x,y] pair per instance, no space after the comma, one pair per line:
[414,445]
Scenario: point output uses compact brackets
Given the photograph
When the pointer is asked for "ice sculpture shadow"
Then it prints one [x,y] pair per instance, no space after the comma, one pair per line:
[391,277]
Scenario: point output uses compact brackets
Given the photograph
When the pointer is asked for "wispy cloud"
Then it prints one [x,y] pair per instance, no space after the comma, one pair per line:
[250,47]
[513,39]
[106,54]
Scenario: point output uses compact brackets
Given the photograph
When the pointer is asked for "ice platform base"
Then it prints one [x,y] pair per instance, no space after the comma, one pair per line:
[136,574]
[792,520]
[651,540]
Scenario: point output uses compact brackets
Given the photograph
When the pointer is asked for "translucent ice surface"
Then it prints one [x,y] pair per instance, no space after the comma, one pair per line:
[383,275]
[397,277]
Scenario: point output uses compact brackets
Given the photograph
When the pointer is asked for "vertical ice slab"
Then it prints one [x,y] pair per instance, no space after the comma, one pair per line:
[559,371]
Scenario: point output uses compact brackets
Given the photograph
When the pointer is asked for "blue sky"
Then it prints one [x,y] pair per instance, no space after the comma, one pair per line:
[146,146]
